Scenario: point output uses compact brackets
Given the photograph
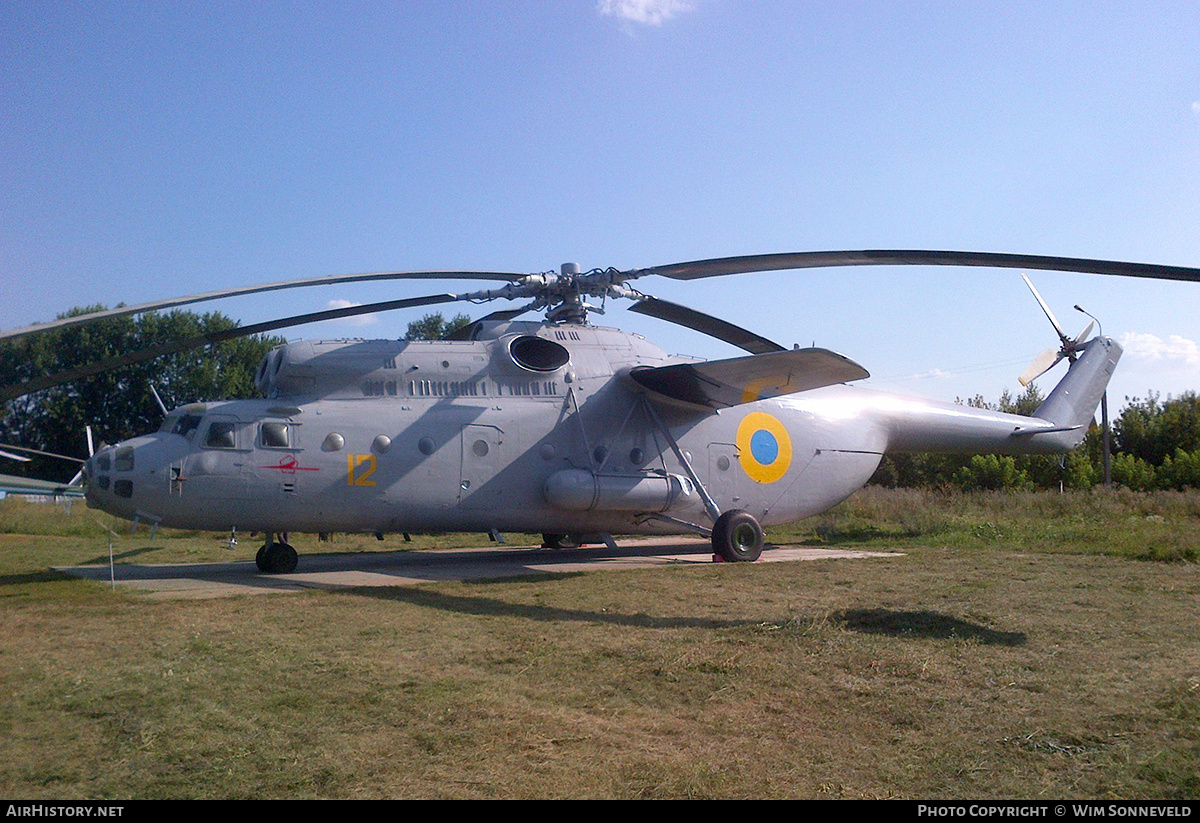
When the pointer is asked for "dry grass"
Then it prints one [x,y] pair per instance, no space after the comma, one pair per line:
[1026,659]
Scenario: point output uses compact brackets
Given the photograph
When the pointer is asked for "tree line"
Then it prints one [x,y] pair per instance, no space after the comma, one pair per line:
[120,403]
[1154,444]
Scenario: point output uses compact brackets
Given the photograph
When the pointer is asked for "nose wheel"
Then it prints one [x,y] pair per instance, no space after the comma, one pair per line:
[276,557]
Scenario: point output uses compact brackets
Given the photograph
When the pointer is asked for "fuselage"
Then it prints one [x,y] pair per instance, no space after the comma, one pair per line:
[530,427]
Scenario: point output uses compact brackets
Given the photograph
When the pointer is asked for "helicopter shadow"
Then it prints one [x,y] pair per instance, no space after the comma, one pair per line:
[493,607]
[924,624]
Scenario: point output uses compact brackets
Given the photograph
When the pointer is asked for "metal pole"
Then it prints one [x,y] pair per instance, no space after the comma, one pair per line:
[1104,422]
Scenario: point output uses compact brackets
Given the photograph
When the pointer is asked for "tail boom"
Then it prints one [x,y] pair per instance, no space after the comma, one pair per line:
[1058,425]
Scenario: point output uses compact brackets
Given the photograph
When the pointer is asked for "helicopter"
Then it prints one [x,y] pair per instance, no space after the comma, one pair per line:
[557,426]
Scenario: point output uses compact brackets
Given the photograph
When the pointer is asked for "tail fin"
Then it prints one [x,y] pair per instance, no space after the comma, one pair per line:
[1071,406]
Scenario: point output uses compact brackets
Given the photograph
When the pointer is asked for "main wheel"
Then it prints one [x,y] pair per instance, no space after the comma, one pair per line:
[277,558]
[560,541]
[737,537]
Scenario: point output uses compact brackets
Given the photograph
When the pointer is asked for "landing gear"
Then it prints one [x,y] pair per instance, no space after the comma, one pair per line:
[737,537]
[561,541]
[276,557]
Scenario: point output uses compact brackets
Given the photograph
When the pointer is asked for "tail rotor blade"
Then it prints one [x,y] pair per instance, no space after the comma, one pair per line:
[1043,363]
[1083,335]
[1062,335]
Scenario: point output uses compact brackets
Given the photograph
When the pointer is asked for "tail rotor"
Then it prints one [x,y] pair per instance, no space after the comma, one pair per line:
[1068,349]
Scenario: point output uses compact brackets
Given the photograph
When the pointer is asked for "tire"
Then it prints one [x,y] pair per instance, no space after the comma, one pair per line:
[737,537]
[560,541]
[280,558]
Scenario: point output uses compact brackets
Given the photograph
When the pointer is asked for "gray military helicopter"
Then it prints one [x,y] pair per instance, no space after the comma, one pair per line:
[558,426]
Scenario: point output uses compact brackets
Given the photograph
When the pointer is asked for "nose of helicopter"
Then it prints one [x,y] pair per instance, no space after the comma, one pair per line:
[120,478]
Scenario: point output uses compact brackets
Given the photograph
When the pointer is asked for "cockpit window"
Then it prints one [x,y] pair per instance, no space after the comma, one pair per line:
[274,435]
[187,424]
[222,434]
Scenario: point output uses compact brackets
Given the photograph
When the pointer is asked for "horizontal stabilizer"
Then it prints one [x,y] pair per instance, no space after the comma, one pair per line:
[718,384]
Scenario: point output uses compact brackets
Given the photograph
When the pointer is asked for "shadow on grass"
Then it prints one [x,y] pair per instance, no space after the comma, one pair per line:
[924,624]
[23,578]
[550,614]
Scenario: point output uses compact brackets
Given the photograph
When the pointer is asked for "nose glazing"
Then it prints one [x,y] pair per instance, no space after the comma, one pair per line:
[107,473]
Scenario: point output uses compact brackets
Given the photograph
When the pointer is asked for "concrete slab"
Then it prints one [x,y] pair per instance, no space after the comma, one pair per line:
[343,571]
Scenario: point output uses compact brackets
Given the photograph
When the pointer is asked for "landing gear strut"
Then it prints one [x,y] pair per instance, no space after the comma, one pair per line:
[276,557]
[737,537]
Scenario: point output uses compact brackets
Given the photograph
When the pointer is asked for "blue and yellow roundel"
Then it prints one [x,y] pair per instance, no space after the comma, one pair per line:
[764,447]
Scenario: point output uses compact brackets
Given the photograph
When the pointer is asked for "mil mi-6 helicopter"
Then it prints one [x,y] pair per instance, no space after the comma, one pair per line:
[558,426]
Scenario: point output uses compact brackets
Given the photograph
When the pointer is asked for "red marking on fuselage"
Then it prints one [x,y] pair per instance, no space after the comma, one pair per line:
[290,465]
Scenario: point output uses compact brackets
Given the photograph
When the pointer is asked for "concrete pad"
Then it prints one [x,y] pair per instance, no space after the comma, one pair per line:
[407,568]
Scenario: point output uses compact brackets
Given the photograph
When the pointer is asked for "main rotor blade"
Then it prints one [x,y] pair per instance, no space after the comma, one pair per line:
[125,311]
[129,358]
[37,452]
[467,332]
[829,259]
[706,324]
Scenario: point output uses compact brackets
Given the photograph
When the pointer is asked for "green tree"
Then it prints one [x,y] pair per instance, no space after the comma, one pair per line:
[435,327]
[1180,471]
[992,472]
[119,403]
[1152,429]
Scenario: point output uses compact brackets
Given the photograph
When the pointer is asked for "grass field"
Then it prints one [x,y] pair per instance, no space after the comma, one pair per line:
[1024,646]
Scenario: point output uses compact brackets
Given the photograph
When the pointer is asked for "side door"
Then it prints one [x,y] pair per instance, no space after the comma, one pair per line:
[214,473]
[485,452]
[723,476]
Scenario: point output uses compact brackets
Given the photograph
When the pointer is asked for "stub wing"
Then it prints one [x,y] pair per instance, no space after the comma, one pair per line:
[10,484]
[718,384]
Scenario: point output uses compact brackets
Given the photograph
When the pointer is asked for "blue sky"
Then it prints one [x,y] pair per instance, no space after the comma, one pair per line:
[149,150]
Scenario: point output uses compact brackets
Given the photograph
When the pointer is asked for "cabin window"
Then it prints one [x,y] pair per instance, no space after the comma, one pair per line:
[334,442]
[274,435]
[222,434]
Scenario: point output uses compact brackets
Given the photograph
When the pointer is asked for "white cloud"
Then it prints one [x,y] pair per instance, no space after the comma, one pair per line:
[937,374]
[1196,107]
[648,12]
[1175,352]
[357,320]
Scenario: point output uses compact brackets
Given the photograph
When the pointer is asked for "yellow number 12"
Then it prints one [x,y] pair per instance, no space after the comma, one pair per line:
[356,473]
